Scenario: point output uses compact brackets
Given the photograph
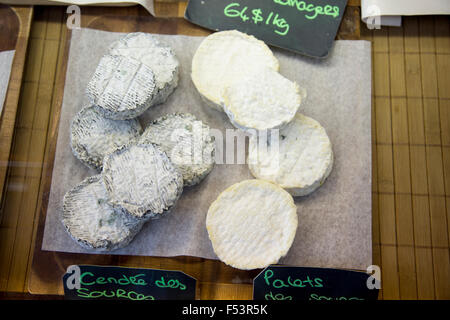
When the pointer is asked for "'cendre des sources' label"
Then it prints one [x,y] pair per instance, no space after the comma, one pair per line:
[86,282]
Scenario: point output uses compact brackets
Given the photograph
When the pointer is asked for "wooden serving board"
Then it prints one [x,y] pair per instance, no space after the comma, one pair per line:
[48,267]
[15,22]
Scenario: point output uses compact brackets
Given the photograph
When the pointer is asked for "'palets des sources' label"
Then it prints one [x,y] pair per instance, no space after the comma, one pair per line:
[314,284]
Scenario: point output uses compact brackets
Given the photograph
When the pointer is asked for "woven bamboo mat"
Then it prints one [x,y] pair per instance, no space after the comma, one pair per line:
[411,156]
[15,26]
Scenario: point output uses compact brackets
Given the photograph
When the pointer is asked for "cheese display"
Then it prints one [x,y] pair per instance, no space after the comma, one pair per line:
[122,87]
[138,181]
[92,222]
[158,57]
[163,159]
[94,136]
[141,179]
[186,141]
[261,100]
[252,224]
[224,57]
[303,161]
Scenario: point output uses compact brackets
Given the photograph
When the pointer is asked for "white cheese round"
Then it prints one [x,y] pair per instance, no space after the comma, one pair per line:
[261,101]
[122,87]
[224,57]
[94,136]
[93,222]
[252,224]
[186,141]
[141,179]
[159,57]
[299,163]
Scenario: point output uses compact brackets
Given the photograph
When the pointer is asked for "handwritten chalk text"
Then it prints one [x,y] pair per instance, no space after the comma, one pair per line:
[313,10]
[258,17]
[289,282]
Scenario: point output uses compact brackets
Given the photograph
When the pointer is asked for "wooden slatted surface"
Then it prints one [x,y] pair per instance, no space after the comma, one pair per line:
[411,157]
[411,128]
[14,32]
[22,189]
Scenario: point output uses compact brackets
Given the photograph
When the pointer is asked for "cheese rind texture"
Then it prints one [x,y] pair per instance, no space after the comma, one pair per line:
[252,224]
[92,222]
[122,87]
[261,101]
[186,141]
[224,57]
[159,57]
[301,160]
[94,136]
[141,179]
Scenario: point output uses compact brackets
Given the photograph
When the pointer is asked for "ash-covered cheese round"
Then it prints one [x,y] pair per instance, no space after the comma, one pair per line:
[92,222]
[122,87]
[252,224]
[300,161]
[186,141]
[159,57]
[224,57]
[141,179]
[261,101]
[94,136]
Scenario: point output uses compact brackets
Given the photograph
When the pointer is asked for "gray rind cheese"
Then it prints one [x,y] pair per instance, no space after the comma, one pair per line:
[252,224]
[94,136]
[159,57]
[122,87]
[300,162]
[92,222]
[141,179]
[186,141]
[222,58]
[261,101]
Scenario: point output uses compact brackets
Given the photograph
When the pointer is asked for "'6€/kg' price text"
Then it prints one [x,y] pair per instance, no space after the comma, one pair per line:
[258,17]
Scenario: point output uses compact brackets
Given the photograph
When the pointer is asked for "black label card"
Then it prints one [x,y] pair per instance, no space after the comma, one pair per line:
[313,284]
[87,282]
[308,27]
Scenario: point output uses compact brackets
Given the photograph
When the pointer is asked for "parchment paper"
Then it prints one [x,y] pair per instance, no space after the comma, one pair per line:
[6,60]
[334,222]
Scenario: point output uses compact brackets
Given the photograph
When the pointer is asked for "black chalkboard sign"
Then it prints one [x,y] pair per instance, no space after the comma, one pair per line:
[312,284]
[85,282]
[308,27]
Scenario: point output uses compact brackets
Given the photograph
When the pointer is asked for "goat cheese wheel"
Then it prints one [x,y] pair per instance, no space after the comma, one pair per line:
[299,163]
[186,141]
[252,224]
[261,101]
[122,87]
[141,179]
[222,58]
[94,136]
[92,222]
[159,57]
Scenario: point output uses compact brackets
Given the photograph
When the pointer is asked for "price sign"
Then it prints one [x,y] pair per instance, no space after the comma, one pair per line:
[308,27]
[313,284]
[87,282]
